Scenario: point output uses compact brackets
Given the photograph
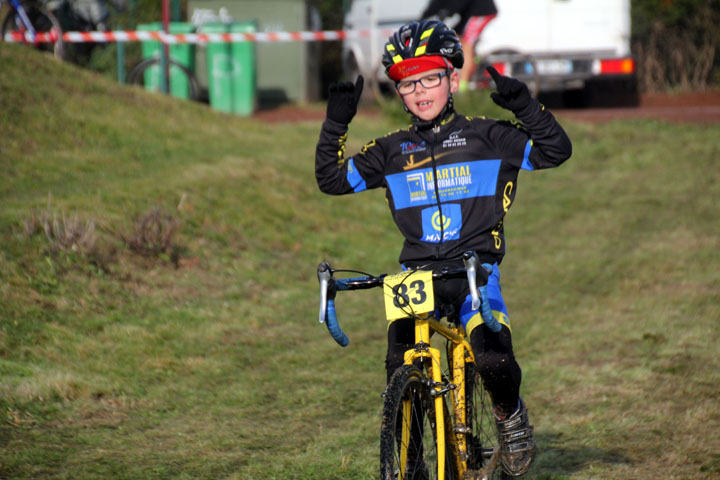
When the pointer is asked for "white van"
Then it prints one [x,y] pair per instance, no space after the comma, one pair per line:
[572,43]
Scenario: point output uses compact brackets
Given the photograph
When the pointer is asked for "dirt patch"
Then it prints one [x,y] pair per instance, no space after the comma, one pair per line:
[290,114]
[296,114]
[711,97]
[696,107]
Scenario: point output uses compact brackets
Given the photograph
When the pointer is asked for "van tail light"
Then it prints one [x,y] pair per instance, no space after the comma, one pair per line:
[501,68]
[614,66]
[485,80]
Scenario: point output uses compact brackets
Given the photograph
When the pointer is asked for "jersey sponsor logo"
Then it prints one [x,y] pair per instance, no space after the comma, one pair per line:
[417,187]
[368,145]
[454,183]
[496,236]
[413,147]
[412,163]
[454,140]
[448,224]
[507,201]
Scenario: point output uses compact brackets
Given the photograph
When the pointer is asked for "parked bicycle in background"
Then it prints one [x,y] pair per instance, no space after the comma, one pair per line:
[42,24]
[31,23]
[83,16]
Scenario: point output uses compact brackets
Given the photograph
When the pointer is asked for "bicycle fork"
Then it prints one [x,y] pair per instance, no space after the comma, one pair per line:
[426,352]
[459,358]
[460,355]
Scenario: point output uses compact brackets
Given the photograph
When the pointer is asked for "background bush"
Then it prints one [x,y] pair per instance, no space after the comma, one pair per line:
[676,43]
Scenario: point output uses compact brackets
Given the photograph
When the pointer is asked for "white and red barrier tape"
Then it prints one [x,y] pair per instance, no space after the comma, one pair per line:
[192,38]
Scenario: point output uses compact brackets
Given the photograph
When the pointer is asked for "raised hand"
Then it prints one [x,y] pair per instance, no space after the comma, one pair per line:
[343,98]
[512,94]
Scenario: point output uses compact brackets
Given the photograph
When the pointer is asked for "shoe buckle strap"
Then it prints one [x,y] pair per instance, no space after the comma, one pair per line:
[518,447]
[513,422]
[518,434]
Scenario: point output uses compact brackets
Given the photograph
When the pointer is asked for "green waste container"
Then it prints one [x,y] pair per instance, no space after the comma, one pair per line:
[183,53]
[231,69]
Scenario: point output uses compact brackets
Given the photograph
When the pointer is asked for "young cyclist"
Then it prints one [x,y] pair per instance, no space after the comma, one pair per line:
[449,180]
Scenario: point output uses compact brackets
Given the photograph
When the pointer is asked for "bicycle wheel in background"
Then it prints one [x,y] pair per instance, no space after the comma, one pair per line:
[374,91]
[42,21]
[521,66]
[147,74]
[483,446]
[382,92]
[412,454]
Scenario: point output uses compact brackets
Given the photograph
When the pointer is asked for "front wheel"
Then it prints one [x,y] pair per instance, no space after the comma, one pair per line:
[42,21]
[408,435]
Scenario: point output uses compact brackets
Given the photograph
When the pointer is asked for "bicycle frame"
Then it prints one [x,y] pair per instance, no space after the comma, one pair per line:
[22,14]
[459,355]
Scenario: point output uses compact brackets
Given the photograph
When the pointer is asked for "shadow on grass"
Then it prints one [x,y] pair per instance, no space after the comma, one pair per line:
[556,460]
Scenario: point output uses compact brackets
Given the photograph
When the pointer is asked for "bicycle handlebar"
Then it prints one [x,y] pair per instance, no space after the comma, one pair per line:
[329,286]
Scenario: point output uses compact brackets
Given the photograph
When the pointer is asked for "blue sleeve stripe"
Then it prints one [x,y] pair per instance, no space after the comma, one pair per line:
[353,177]
[526,165]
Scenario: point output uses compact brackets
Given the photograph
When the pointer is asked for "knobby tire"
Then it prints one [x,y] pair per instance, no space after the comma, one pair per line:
[409,382]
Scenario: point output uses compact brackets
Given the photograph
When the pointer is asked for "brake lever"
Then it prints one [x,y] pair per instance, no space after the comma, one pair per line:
[471,262]
[324,274]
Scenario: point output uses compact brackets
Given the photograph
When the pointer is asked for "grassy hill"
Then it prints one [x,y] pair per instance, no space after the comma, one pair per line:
[158,298]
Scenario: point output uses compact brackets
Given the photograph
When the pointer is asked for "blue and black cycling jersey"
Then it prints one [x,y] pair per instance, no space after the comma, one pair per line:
[449,186]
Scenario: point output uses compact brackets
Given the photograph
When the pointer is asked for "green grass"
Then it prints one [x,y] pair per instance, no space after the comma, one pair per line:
[116,365]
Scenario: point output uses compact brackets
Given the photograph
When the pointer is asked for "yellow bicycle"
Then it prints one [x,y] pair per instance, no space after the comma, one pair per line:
[438,420]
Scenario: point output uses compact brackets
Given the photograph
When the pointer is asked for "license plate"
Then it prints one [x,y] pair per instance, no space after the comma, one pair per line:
[554,67]
[408,293]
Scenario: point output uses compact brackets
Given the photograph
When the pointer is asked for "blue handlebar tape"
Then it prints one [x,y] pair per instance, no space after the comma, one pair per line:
[486,311]
[342,283]
[333,325]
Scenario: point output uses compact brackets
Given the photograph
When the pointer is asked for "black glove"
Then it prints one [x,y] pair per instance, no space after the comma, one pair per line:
[511,94]
[343,100]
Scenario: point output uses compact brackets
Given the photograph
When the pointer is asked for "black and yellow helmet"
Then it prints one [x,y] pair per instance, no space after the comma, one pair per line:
[420,46]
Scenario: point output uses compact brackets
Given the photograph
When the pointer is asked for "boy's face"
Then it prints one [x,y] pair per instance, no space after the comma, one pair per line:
[427,103]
